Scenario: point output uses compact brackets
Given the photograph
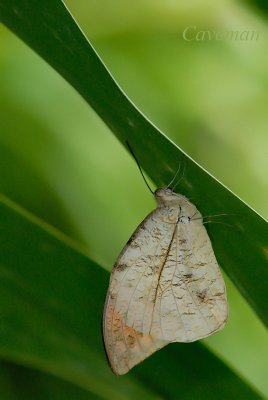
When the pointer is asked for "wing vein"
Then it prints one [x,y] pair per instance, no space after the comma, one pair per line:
[142,275]
[175,300]
[160,273]
[189,292]
[208,286]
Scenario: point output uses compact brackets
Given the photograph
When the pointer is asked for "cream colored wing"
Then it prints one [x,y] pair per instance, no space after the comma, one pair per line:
[130,301]
[191,297]
[165,287]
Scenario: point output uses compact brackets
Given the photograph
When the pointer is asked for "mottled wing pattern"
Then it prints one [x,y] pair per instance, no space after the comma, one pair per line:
[129,306]
[165,287]
[191,300]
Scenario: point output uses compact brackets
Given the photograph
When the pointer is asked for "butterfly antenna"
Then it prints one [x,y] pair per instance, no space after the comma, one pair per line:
[176,184]
[141,171]
[222,223]
[217,215]
[174,177]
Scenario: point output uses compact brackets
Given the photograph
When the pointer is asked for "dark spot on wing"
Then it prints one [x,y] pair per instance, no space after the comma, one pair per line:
[202,295]
[130,339]
[121,267]
[188,276]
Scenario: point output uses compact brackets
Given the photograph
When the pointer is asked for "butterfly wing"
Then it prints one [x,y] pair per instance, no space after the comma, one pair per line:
[129,307]
[165,287]
[191,301]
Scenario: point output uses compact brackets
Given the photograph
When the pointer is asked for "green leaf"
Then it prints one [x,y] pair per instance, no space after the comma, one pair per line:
[51,307]
[260,4]
[22,383]
[241,246]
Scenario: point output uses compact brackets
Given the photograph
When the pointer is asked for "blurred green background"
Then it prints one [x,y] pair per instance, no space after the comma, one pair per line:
[58,159]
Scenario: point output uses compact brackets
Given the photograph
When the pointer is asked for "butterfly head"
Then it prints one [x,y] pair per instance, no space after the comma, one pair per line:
[165,197]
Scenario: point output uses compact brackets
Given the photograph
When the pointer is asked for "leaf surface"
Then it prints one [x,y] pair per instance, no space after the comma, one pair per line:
[51,308]
[241,245]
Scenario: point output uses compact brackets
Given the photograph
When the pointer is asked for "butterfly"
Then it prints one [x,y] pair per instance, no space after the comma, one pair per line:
[165,286]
